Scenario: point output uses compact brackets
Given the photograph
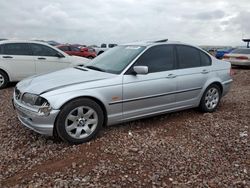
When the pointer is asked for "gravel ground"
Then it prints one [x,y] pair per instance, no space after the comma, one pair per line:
[184,149]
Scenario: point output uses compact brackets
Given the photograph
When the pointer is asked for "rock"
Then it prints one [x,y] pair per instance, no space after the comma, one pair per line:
[73,165]
[86,179]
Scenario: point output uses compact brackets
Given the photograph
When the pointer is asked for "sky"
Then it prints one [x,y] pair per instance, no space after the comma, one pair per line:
[198,22]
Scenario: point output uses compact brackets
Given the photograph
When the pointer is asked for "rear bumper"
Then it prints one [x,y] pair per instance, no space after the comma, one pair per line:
[226,86]
[240,63]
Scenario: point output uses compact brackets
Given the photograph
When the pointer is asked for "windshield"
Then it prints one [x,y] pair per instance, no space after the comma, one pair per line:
[241,51]
[115,60]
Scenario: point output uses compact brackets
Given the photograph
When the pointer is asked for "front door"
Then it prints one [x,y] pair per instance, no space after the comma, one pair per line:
[47,60]
[154,92]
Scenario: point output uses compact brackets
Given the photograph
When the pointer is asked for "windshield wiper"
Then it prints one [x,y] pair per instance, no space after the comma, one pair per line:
[95,68]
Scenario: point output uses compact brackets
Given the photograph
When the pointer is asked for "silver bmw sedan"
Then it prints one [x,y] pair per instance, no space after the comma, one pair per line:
[127,82]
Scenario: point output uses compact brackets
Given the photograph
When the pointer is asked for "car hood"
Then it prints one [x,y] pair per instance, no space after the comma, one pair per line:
[63,78]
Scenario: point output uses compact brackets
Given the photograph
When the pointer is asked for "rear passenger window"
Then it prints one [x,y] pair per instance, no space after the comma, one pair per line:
[205,59]
[188,57]
[16,49]
[157,58]
[42,50]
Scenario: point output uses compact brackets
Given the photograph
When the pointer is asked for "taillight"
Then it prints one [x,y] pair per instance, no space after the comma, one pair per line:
[225,57]
[242,58]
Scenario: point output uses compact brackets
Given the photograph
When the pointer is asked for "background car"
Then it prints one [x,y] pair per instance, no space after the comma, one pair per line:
[78,50]
[104,47]
[222,51]
[21,59]
[50,42]
[238,57]
[212,51]
[142,80]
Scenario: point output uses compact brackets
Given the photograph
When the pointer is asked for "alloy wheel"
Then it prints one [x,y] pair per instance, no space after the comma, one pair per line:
[81,122]
[212,98]
[2,80]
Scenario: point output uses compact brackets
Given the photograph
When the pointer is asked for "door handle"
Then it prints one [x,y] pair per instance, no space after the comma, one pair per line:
[205,71]
[171,76]
[41,58]
[7,57]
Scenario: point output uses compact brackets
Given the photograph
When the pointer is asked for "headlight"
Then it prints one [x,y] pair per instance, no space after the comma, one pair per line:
[30,98]
[40,102]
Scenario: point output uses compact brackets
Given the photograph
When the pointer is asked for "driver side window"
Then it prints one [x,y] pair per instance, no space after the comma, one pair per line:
[158,58]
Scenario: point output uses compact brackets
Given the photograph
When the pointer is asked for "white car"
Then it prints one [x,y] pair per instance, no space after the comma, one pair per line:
[238,57]
[103,48]
[21,59]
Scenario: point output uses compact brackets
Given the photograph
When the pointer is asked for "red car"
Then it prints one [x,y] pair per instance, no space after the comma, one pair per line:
[78,51]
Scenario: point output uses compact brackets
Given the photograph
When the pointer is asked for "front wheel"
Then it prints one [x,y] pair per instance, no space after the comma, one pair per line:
[79,121]
[210,99]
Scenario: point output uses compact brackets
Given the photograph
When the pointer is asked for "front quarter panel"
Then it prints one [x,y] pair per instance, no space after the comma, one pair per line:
[106,93]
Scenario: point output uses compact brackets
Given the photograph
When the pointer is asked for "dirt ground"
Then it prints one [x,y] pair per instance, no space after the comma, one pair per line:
[184,149]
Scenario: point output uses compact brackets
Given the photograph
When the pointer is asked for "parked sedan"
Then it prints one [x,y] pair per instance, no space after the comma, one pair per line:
[78,51]
[21,59]
[142,80]
[238,57]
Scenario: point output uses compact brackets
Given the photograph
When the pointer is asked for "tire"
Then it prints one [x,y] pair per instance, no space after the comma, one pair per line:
[4,79]
[210,99]
[79,121]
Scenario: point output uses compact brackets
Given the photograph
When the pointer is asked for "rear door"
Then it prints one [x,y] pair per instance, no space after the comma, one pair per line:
[194,68]
[47,59]
[17,60]
[155,91]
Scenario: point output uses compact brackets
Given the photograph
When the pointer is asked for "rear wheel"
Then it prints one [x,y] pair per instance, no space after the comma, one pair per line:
[4,79]
[210,99]
[79,121]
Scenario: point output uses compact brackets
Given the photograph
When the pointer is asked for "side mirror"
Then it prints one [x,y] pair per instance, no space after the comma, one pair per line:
[59,55]
[141,69]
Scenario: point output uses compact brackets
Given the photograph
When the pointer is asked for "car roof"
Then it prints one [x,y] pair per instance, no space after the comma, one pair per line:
[155,43]
[23,41]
